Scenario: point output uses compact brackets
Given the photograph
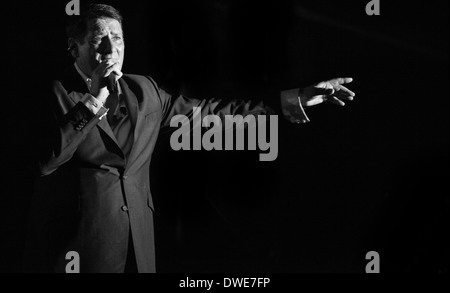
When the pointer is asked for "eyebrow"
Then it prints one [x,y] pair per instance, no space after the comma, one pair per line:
[99,34]
[101,31]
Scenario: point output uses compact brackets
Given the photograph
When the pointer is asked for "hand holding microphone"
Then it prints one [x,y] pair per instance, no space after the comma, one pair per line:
[104,79]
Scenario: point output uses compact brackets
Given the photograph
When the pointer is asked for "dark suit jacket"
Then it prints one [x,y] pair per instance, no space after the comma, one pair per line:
[90,196]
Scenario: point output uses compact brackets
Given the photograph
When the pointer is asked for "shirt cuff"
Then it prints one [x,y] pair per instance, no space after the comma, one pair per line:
[292,108]
[93,104]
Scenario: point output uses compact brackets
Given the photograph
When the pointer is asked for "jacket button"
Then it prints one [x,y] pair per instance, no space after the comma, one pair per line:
[124,208]
[124,177]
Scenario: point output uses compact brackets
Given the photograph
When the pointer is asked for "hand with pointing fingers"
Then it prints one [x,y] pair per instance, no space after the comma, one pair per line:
[331,90]
[294,101]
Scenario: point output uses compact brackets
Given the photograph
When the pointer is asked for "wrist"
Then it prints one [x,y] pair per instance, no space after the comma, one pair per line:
[292,107]
[101,95]
[92,103]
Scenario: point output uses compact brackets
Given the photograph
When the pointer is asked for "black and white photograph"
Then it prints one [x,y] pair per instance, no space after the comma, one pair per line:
[236,137]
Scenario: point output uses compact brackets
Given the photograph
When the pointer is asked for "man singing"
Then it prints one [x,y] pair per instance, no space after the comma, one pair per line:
[93,196]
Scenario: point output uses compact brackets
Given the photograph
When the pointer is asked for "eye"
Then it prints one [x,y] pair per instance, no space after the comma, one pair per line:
[95,41]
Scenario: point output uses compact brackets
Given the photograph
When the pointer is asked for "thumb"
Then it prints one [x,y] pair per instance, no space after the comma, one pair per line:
[323,92]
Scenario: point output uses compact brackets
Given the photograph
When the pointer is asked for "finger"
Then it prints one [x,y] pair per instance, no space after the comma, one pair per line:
[341,80]
[345,80]
[336,101]
[322,91]
[342,88]
[103,67]
[117,70]
[109,65]
[316,100]
[109,70]
[106,63]
[343,96]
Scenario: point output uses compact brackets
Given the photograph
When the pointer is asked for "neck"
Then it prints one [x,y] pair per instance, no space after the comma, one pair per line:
[81,70]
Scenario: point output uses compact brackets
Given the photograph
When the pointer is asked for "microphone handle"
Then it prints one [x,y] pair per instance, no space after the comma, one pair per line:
[112,82]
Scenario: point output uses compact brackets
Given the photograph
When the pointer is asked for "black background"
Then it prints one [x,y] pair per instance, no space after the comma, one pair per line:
[369,176]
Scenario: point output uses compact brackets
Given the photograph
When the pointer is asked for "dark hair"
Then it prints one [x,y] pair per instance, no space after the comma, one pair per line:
[76,27]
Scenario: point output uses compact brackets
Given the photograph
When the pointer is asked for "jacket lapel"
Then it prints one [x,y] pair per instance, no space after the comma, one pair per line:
[133,109]
[104,126]
[130,100]
[132,105]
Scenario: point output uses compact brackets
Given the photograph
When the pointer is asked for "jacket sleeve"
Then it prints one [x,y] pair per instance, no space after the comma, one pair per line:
[70,124]
[181,105]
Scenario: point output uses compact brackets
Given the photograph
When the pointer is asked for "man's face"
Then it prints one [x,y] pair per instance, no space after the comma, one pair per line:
[103,41]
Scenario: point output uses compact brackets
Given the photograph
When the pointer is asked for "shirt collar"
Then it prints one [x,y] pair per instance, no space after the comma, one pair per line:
[86,79]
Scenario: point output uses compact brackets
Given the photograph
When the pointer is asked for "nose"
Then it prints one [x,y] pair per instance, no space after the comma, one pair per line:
[106,46]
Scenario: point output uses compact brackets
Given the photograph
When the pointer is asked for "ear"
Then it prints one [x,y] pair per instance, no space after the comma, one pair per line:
[72,47]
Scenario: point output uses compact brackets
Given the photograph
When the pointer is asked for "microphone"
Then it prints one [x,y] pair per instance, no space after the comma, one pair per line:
[112,80]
